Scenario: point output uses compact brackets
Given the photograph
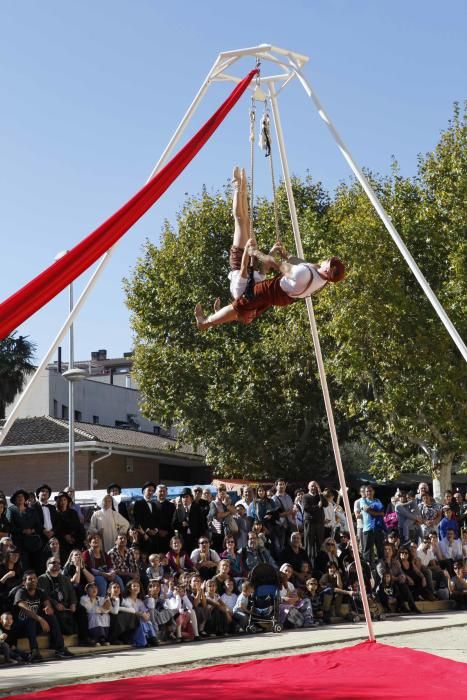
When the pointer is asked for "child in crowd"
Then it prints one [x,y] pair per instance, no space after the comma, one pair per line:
[182,606]
[220,617]
[156,568]
[241,609]
[98,609]
[385,593]
[316,599]
[229,597]
[8,641]
[161,617]
[145,634]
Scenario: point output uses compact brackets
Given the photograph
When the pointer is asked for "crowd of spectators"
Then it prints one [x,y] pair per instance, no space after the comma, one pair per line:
[179,570]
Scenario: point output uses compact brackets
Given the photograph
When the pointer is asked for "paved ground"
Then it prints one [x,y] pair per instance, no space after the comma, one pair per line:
[442,634]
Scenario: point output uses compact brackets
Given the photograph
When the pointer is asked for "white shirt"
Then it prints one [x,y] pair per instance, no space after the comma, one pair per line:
[47,518]
[425,556]
[451,550]
[303,281]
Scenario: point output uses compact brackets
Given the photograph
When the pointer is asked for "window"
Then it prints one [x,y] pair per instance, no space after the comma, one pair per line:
[95,420]
[157,430]
[55,413]
[78,415]
[64,412]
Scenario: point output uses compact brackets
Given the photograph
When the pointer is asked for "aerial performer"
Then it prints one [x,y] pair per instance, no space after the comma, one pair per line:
[297,279]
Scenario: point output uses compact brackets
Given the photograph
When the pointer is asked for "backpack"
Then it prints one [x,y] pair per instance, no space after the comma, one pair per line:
[391,521]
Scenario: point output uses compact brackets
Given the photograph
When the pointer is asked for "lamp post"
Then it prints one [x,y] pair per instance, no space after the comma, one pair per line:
[72,375]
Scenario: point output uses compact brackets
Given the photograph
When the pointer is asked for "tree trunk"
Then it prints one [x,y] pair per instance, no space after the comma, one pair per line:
[443,473]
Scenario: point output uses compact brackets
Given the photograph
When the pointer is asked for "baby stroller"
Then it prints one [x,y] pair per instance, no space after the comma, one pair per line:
[356,605]
[266,598]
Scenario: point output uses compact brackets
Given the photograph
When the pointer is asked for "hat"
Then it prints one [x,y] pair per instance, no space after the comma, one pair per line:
[186,492]
[60,494]
[44,487]
[146,484]
[113,486]
[338,270]
[16,493]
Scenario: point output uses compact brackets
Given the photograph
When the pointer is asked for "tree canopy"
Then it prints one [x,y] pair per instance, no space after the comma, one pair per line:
[251,394]
[16,354]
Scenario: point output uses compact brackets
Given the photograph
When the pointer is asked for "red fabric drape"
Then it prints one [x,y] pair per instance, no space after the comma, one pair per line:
[27,300]
[367,671]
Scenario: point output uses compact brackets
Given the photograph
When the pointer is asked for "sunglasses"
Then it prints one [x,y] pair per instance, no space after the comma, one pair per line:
[203,542]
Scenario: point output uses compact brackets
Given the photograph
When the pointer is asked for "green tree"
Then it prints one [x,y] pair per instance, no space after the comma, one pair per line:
[16,354]
[249,394]
[402,378]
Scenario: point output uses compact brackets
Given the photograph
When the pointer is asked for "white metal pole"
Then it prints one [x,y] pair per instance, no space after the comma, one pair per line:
[319,359]
[451,329]
[102,264]
[71,402]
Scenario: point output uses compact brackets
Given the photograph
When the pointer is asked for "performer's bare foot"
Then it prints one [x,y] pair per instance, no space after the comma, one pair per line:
[217,305]
[201,320]
[237,177]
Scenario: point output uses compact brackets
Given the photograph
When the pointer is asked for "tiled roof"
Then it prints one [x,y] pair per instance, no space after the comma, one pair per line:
[47,430]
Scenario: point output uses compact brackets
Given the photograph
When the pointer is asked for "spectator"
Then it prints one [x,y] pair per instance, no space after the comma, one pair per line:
[75,570]
[315,597]
[286,522]
[228,596]
[266,511]
[68,527]
[298,509]
[204,559]
[314,504]
[74,506]
[357,509]
[390,564]
[146,518]
[234,557]
[253,554]
[460,509]
[199,499]
[198,599]
[448,522]
[451,549]
[429,561]
[243,525]
[98,615]
[115,490]
[47,512]
[4,522]
[373,524]
[185,615]
[108,523]
[408,515]
[122,559]
[11,576]
[386,594]
[219,510]
[327,554]
[222,575]
[61,594]
[248,496]
[8,640]
[158,567]
[177,559]
[189,520]
[241,610]
[145,633]
[413,577]
[295,555]
[330,521]
[164,512]
[25,527]
[458,586]
[100,565]
[34,612]
[220,617]
[160,616]
[430,512]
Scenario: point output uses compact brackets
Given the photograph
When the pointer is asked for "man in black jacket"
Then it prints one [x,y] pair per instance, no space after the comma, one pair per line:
[47,512]
[313,527]
[145,517]
[164,513]
[189,520]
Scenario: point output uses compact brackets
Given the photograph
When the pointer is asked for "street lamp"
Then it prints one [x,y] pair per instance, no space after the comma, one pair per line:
[72,375]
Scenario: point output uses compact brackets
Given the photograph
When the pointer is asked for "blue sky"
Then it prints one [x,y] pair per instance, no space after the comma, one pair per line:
[93,90]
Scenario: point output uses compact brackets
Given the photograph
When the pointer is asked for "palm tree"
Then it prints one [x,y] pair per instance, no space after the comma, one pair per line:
[15,364]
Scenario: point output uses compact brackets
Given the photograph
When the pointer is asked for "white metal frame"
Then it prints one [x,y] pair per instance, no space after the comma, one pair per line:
[288,65]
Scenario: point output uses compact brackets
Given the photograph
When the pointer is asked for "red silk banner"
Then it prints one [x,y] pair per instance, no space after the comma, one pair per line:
[34,295]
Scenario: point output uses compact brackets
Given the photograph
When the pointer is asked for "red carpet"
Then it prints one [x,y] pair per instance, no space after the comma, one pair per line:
[365,671]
